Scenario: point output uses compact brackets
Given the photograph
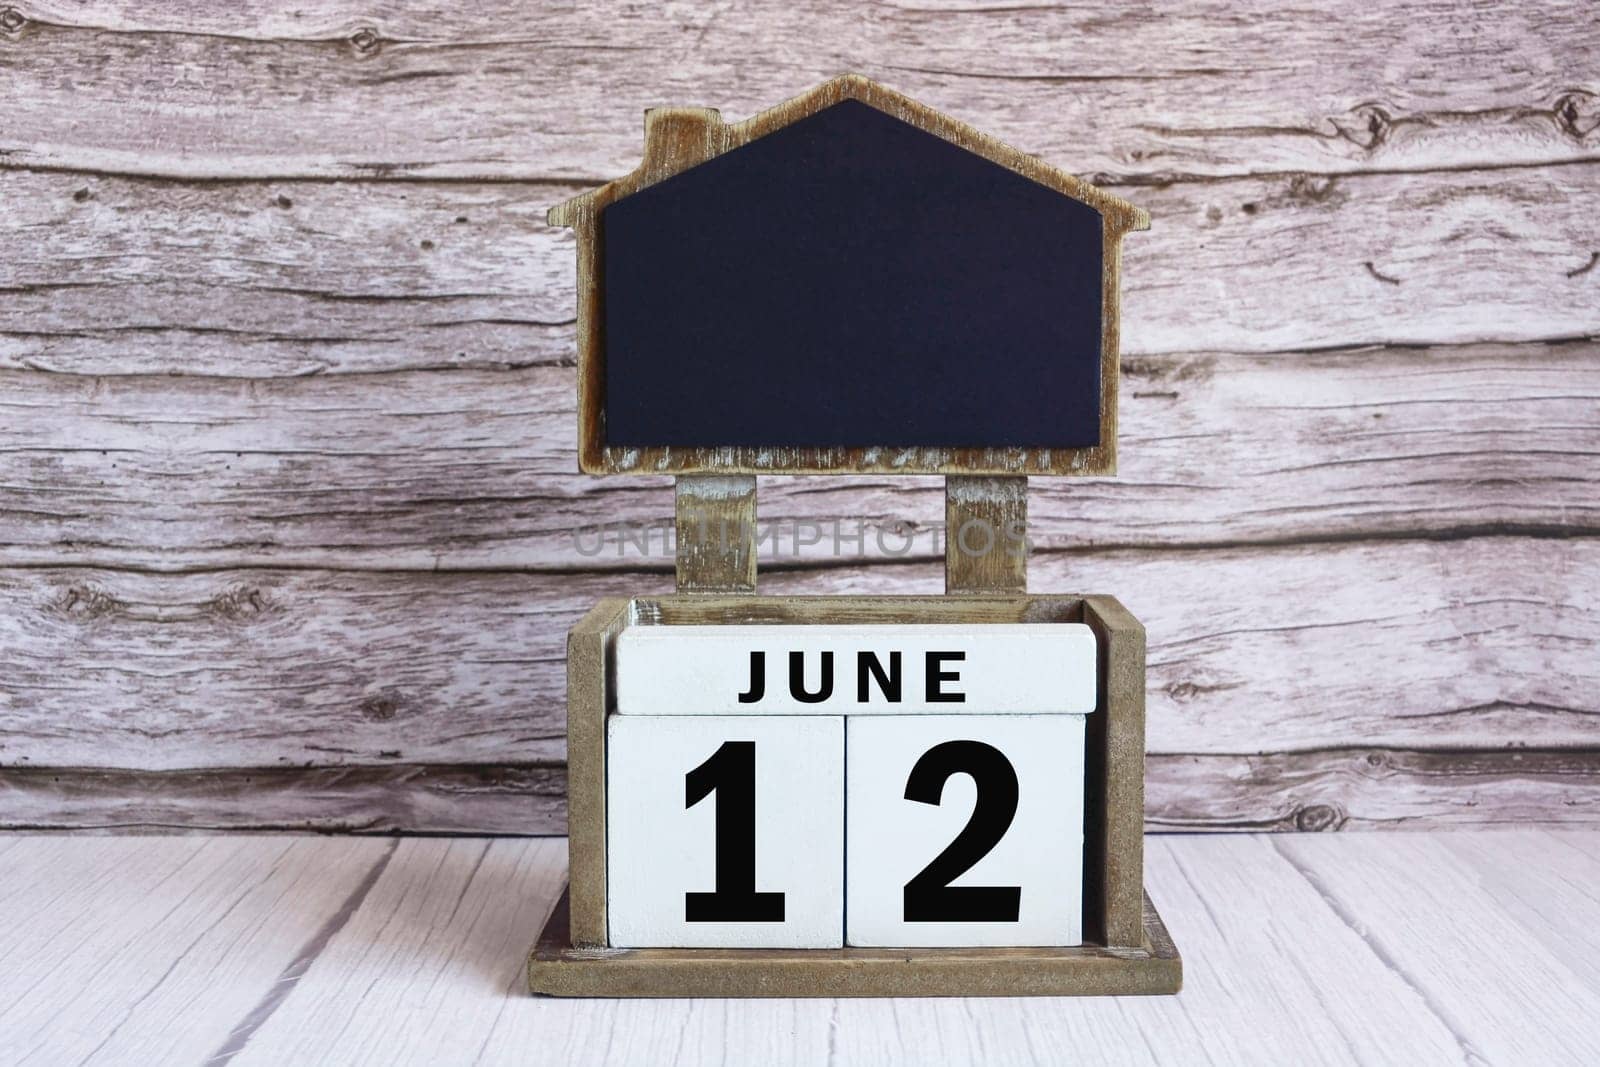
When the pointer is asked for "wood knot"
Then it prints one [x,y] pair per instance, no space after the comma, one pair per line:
[1386,279]
[1594,258]
[1367,127]
[1315,818]
[84,602]
[12,20]
[381,707]
[1166,369]
[1309,189]
[1576,114]
[81,195]
[366,41]
[284,202]
[241,602]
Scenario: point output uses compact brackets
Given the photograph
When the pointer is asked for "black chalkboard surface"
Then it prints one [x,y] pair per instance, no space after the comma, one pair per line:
[850,281]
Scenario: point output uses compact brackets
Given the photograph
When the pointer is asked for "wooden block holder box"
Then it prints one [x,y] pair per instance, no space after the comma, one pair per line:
[1125,948]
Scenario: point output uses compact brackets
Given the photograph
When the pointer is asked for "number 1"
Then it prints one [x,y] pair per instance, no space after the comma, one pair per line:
[730,772]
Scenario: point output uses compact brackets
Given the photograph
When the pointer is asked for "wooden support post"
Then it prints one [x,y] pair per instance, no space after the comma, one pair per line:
[985,526]
[1114,779]
[716,529]
[589,697]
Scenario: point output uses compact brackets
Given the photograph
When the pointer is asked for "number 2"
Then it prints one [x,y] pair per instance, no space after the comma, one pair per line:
[730,772]
[929,897]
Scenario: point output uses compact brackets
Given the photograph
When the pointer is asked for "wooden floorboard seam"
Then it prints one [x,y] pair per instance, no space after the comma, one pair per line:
[1468,1051]
[285,986]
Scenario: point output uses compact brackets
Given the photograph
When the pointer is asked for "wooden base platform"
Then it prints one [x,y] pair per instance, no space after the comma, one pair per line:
[559,970]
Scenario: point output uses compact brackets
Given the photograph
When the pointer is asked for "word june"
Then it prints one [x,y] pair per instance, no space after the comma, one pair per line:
[870,673]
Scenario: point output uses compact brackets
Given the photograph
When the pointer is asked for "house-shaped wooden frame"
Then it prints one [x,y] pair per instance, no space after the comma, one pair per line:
[679,140]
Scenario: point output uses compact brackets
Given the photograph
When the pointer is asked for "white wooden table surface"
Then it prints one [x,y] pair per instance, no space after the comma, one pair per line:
[1342,948]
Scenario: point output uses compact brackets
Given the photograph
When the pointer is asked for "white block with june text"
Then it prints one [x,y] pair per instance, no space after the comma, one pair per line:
[1028,668]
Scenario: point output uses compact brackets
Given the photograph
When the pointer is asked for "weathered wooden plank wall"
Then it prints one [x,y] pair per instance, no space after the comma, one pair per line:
[286,413]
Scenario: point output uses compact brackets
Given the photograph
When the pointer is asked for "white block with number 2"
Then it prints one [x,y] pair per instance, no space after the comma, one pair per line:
[725,831]
[987,850]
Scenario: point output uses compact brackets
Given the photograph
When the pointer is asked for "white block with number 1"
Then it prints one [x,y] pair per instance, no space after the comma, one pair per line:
[965,830]
[1024,668]
[725,831]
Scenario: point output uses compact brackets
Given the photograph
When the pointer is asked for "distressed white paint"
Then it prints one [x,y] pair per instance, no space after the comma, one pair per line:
[327,393]
[157,950]
[474,468]
[1399,948]
[1512,986]
[930,668]
[467,668]
[658,849]
[1253,701]
[373,276]
[500,90]
[890,839]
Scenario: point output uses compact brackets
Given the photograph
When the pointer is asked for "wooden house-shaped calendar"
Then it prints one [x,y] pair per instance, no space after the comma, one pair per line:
[843,795]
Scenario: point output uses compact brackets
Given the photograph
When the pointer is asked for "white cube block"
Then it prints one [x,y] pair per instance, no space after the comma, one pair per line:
[965,830]
[858,670]
[725,831]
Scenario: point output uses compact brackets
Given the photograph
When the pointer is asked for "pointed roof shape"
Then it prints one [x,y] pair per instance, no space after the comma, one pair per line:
[847,282]
[678,138]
